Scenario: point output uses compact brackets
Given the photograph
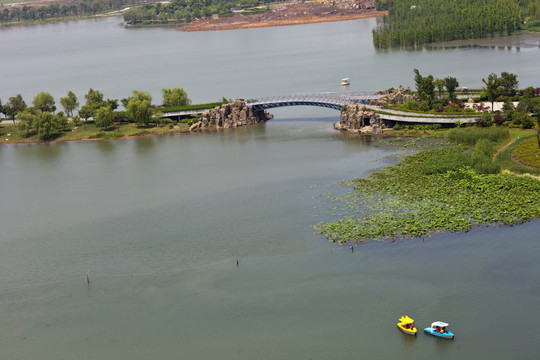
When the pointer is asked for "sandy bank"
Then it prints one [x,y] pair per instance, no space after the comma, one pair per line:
[293,14]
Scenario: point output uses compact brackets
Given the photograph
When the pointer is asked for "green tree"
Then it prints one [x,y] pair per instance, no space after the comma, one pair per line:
[175,97]
[451,84]
[87,111]
[27,119]
[93,97]
[69,103]
[140,111]
[14,105]
[528,92]
[528,106]
[523,120]
[509,84]
[44,102]
[439,84]
[508,105]
[493,89]
[32,121]
[141,95]
[424,86]
[104,117]
[47,124]
[112,103]
[139,108]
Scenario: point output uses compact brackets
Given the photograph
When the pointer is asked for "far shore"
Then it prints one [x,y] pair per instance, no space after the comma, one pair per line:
[219,24]
[253,21]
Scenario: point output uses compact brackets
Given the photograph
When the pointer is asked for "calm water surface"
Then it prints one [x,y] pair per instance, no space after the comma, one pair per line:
[159,222]
[101,54]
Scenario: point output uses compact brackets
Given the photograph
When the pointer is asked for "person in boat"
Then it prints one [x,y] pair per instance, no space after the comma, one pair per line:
[443,330]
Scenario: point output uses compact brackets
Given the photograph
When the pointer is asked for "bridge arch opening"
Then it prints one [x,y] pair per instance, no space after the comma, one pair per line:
[304,112]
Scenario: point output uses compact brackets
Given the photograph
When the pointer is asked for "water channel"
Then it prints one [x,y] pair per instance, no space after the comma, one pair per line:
[159,223]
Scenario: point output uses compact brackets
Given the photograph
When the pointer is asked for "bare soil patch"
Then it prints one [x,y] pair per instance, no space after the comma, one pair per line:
[283,14]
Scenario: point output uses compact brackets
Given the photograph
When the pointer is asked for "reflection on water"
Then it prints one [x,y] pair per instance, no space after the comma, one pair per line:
[106,146]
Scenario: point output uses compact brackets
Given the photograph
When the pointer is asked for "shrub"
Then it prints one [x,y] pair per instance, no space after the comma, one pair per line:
[486,166]
[483,147]
[499,119]
[165,121]
[481,158]
[485,121]
[409,105]
[469,136]
[522,120]
[508,105]
[76,120]
[120,116]
[424,106]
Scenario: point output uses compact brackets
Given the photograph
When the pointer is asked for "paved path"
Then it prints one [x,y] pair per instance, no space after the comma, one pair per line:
[403,116]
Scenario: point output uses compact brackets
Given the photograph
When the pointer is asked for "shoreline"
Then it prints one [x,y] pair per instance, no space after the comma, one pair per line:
[245,22]
[84,139]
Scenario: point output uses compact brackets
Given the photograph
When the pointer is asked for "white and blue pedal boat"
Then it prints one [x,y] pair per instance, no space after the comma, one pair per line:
[439,329]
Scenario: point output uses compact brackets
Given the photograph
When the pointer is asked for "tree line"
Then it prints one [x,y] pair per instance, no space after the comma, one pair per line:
[504,88]
[418,22]
[60,10]
[185,11]
[141,11]
[42,120]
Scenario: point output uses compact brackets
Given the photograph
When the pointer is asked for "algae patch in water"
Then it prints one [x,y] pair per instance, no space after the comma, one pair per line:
[409,199]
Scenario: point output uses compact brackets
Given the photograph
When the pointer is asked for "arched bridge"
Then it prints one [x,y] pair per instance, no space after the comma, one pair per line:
[327,100]
[338,100]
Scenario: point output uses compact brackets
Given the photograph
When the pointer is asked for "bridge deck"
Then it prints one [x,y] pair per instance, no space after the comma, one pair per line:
[327,100]
[337,101]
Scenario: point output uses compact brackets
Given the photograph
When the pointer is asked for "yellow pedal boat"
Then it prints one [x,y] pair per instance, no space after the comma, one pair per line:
[406,324]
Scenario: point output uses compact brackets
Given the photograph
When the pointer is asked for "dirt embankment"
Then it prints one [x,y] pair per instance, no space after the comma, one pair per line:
[286,14]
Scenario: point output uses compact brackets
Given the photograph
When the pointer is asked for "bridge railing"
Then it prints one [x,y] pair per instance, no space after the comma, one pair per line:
[330,97]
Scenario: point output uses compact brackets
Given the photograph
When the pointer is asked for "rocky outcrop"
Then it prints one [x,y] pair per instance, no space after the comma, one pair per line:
[230,115]
[358,119]
[393,96]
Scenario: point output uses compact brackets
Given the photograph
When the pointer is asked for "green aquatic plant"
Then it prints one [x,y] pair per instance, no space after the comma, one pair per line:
[471,135]
[406,200]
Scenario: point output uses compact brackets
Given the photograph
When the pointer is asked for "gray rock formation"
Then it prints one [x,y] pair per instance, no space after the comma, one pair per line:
[230,115]
[393,96]
[358,119]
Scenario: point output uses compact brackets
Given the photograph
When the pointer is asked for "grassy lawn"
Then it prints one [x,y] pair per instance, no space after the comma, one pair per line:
[519,154]
[523,155]
[528,153]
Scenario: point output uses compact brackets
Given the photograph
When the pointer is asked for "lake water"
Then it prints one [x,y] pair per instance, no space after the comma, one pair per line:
[159,222]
